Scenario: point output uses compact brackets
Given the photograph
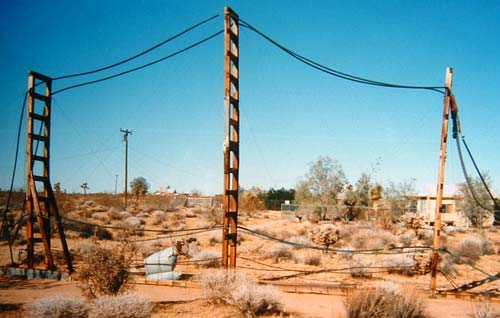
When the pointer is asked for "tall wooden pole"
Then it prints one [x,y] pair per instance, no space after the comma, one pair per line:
[231,138]
[126,132]
[440,183]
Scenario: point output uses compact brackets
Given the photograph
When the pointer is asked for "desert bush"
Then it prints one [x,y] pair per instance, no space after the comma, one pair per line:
[400,264]
[215,238]
[359,266]
[237,289]
[105,270]
[470,248]
[488,247]
[123,306]
[57,307]
[326,235]
[86,230]
[280,253]
[407,238]
[214,215]
[373,239]
[309,258]
[447,265]
[383,302]
[208,258]
[483,310]
[114,214]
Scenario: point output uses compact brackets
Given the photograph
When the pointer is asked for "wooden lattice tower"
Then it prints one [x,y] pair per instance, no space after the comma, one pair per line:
[41,206]
[231,138]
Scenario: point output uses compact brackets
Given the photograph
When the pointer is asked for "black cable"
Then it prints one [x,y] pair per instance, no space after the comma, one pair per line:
[457,132]
[18,141]
[139,54]
[334,72]
[480,174]
[139,67]
[381,251]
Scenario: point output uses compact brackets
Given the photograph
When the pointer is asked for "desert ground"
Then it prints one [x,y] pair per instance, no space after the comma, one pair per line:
[312,281]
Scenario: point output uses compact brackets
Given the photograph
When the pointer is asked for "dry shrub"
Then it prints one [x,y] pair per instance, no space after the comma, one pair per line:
[57,307]
[326,235]
[484,310]
[280,253]
[207,258]
[402,264]
[310,258]
[407,238]
[383,302]
[360,266]
[105,270]
[470,248]
[214,216]
[237,289]
[215,238]
[373,239]
[86,230]
[114,214]
[124,306]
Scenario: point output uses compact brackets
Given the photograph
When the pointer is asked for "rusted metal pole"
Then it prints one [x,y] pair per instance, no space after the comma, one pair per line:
[231,138]
[440,184]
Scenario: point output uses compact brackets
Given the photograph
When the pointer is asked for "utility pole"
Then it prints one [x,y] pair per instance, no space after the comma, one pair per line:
[440,184]
[84,186]
[126,132]
[231,138]
[116,182]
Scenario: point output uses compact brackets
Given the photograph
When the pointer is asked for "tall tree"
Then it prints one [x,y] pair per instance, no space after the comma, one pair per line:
[475,211]
[397,197]
[322,184]
[139,187]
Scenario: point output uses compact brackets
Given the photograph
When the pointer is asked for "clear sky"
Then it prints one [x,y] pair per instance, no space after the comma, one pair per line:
[290,113]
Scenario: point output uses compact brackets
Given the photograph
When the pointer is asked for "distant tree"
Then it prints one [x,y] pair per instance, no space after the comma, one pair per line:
[473,210]
[139,187]
[57,187]
[322,184]
[397,198]
[275,197]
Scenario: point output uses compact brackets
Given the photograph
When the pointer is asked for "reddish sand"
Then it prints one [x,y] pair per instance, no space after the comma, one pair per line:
[186,302]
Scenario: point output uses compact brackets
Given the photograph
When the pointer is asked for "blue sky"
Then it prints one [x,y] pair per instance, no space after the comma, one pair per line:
[290,113]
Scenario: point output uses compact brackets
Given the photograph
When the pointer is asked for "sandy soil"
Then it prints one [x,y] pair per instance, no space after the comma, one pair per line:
[178,302]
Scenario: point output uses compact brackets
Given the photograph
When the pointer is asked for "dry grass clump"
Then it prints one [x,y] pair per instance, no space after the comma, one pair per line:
[310,258]
[57,307]
[484,310]
[373,239]
[383,302]
[280,253]
[123,306]
[360,266]
[408,238]
[403,264]
[237,289]
[207,258]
